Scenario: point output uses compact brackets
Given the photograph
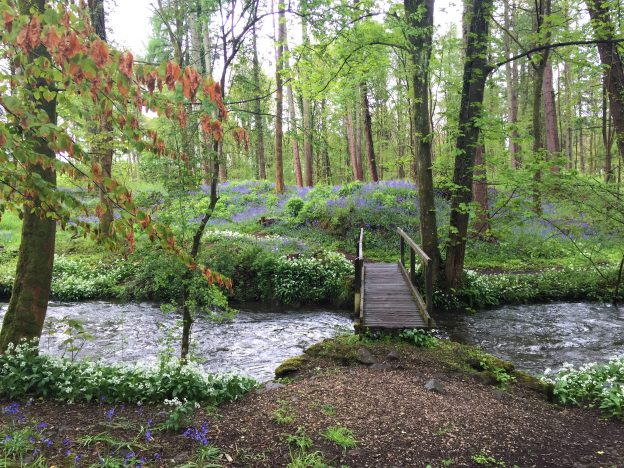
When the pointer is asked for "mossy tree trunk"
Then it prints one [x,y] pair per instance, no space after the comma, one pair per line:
[33,277]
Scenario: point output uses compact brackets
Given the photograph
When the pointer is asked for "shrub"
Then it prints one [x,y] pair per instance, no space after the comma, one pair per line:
[25,373]
[82,278]
[293,206]
[592,385]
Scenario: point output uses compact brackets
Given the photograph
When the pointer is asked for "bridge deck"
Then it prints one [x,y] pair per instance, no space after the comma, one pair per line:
[387,299]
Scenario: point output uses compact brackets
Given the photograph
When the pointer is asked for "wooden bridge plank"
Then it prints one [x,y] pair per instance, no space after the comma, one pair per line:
[387,299]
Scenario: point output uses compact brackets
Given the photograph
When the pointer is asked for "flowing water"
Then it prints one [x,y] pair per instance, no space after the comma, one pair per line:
[533,337]
[536,337]
[253,344]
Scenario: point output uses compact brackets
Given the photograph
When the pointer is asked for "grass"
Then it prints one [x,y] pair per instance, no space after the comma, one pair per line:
[283,414]
[341,436]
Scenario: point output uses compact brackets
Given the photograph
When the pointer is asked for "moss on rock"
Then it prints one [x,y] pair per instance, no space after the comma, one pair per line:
[291,366]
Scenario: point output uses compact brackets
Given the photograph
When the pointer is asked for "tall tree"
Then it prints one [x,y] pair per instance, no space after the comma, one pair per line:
[33,276]
[279,101]
[476,70]
[611,59]
[258,118]
[511,76]
[103,148]
[356,165]
[306,108]
[419,17]
[292,115]
[368,132]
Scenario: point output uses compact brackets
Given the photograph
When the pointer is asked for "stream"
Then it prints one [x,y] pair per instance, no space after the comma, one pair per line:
[539,336]
[255,342]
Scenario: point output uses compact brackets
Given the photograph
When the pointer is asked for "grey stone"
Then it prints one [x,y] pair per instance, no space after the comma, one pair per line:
[364,356]
[435,386]
[392,356]
[268,387]
[181,457]
[379,366]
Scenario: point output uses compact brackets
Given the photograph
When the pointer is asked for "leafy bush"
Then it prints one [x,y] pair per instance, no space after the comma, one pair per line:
[82,278]
[160,276]
[310,278]
[293,206]
[265,269]
[24,373]
[483,290]
[592,385]
[419,338]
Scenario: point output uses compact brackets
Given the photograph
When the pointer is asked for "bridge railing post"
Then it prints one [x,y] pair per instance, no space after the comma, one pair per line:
[428,287]
[413,267]
[358,264]
[402,250]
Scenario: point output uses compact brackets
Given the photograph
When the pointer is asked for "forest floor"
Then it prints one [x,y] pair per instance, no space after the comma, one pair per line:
[381,414]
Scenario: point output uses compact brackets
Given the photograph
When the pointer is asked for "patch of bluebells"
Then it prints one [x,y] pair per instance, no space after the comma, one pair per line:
[200,435]
[12,409]
[110,413]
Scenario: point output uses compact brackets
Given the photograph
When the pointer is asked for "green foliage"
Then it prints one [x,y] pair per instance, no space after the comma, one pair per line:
[419,338]
[160,276]
[181,415]
[300,457]
[263,269]
[488,290]
[294,206]
[80,278]
[592,385]
[341,436]
[502,376]
[283,414]
[484,458]
[23,372]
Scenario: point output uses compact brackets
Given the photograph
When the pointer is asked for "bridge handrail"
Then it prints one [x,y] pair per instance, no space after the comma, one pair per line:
[358,264]
[411,276]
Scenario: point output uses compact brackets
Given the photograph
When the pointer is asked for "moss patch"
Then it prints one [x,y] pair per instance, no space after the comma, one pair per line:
[291,366]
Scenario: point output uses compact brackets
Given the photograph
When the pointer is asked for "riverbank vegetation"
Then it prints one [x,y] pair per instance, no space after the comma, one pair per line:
[350,401]
[168,175]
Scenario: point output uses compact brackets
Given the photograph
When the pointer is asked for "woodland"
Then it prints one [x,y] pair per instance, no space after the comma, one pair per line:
[236,162]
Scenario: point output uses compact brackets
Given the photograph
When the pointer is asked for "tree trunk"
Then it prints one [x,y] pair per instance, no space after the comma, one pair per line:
[33,276]
[419,14]
[543,9]
[611,60]
[292,121]
[358,140]
[476,71]
[307,112]
[355,167]
[325,143]
[479,188]
[103,133]
[550,115]
[368,133]
[258,119]
[279,101]
[607,133]
[511,76]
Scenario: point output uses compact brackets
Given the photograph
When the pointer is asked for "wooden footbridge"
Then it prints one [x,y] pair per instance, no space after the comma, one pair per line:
[386,296]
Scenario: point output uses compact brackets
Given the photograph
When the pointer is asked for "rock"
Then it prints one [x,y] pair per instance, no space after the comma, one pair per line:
[364,356]
[392,356]
[291,366]
[499,395]
[378,366]
[268,387]
[434,386]
[181,457]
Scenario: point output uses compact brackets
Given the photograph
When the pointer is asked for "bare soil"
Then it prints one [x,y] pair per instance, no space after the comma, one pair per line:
[396,421]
